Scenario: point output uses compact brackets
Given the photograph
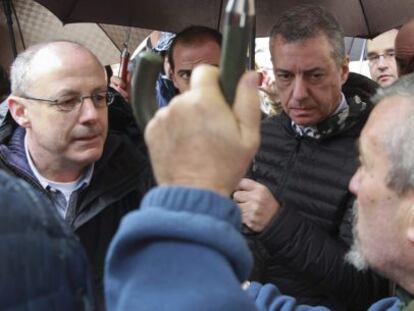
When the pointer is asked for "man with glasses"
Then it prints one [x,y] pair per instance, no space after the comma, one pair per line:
[56,138]
[381,58]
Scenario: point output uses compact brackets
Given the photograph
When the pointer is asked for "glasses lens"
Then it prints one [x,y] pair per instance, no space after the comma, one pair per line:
[67,104]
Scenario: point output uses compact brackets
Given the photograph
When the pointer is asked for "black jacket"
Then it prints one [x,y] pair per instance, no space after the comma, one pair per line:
[302,250]
[120,179]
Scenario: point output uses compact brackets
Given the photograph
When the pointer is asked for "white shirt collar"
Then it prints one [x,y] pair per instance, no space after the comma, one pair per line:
[82,181]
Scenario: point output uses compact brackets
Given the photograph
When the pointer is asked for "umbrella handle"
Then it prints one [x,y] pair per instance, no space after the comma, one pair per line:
[144,77]
[240,19]
[233,59]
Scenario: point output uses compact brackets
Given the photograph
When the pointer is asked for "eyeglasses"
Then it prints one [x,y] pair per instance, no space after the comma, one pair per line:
[70,103]
[374,58]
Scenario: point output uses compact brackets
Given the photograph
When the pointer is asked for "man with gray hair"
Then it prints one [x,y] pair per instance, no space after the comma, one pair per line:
[384,186]
[296,204]
[56,137]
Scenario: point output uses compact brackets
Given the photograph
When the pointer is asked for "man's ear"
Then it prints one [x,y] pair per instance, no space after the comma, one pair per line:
[18,111]
[345,69]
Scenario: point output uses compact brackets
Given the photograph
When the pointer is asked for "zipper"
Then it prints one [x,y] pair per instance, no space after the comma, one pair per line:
[286,173]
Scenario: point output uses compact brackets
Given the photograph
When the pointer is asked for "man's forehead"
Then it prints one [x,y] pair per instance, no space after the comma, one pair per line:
[308,55]
[318,43]
[61,54]
[382,42]
[57,57]
[204,47]
[188,57]
[58,74]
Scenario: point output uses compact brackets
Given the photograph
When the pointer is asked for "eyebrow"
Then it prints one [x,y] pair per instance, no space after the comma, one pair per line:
[309,71]
[386,51]
[184,71]
[65,92]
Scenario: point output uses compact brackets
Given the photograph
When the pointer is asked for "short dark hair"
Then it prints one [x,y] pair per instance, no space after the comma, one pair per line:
[192,35]
[309,21]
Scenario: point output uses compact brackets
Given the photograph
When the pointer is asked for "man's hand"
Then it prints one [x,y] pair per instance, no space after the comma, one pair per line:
[120,86]
[199,140]
[257,204]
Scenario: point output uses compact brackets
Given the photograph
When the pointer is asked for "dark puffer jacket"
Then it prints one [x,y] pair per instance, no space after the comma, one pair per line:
[302,250]
[42,264]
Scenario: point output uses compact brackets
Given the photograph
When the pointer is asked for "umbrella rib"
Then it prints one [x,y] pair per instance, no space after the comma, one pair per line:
[18,25]
[220,13]
[69,11]
[365,16]
[110,38]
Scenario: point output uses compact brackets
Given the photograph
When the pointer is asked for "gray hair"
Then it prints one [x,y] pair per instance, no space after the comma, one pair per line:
[309,21]
[21,71]
[398,140]
[21,68]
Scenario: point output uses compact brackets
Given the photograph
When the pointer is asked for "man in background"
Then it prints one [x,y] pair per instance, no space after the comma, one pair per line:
[381,58]
[193,46]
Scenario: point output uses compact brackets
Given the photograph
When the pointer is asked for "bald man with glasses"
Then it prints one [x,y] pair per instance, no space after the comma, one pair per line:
[56,137]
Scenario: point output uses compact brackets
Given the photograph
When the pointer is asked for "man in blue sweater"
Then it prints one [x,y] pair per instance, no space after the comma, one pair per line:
[183,251]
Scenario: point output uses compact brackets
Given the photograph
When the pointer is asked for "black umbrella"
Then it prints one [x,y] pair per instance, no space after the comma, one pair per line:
[359,18]
[27,23]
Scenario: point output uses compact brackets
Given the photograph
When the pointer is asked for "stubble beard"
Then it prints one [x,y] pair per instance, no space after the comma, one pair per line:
[355,255]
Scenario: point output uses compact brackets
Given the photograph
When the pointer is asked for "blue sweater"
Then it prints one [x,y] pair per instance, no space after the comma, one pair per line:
[183,251]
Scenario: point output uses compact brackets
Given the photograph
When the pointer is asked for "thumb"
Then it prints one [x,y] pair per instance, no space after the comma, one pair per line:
[247,108]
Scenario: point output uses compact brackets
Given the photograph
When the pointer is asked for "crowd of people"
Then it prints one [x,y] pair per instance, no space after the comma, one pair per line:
[214,207]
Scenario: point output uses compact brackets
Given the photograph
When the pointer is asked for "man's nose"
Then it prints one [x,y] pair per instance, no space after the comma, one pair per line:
[88,111]
[299,89]
[382,63]
[354,182]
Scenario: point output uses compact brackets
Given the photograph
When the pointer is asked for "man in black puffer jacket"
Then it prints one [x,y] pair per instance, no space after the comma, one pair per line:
[296,204]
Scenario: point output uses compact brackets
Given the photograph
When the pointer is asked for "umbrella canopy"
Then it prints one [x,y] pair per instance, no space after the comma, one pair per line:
[359,18]
[33,23]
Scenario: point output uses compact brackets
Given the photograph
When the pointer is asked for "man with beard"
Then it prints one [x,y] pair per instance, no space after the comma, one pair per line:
[56,138]
[384,186]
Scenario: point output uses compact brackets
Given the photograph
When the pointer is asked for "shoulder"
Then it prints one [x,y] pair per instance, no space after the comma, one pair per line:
[361,86]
